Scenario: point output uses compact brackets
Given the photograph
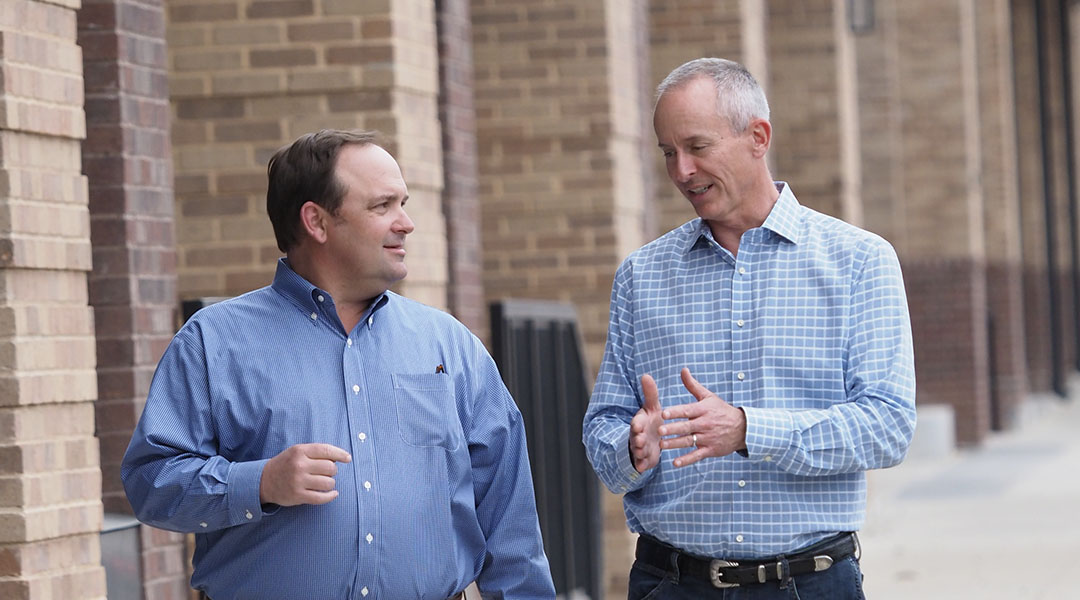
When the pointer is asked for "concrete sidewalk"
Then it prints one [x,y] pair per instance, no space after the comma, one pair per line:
[995,522]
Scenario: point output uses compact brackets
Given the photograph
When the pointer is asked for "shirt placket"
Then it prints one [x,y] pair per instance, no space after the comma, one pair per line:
[364,468]
[739,326]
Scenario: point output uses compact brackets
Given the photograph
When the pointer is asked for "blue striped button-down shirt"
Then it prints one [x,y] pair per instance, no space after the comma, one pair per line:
[806,329]
[437,494]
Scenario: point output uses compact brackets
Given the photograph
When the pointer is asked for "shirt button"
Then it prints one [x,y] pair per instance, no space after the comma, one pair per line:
[767,459]
[314,316]
[249,515]
[369,538]
[739,322]
[367,485]
[364,591]
[742,483]
[741,376]
[321,298]
[739,538]
[355,389]
[203,524]
[742,270]
[362,436]
[349,343]
[370,320]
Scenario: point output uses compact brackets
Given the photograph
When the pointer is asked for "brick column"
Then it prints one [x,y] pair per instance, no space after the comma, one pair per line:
[997,111]
[50,482]
[465,294]
[127,160]
[249,77]
[944,260]
[559,106]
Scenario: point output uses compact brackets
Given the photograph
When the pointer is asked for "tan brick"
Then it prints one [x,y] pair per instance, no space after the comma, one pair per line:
[323,31]
[217,256]
[349,7]
[207,60]
[248,34]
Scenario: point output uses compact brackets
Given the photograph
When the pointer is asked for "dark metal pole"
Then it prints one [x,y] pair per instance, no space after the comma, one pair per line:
[1058,381]
[1065,23]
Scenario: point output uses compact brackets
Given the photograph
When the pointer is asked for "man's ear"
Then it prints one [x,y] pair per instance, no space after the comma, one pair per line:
[314,221]
[761,133]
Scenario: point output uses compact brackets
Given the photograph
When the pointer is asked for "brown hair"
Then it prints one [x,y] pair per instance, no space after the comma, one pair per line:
[304,171]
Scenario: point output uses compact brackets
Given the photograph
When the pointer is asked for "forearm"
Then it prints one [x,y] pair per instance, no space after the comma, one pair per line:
[506,511]
[869,433]
[191,494]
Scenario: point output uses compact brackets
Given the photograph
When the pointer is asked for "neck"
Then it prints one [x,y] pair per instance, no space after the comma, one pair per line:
[349,300]
[753,207]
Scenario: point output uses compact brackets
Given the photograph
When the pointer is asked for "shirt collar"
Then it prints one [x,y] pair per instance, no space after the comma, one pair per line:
[305,295]
[785,220]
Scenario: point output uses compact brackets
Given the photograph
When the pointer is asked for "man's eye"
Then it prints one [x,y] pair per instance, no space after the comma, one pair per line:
[668,154]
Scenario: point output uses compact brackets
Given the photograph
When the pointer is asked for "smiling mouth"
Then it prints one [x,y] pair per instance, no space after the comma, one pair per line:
[698,190]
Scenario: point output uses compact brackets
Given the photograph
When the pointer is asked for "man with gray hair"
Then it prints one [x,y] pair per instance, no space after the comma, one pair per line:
[758,361]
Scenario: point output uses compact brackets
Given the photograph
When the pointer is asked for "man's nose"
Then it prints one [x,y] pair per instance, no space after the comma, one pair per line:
[684,167]
[404,224]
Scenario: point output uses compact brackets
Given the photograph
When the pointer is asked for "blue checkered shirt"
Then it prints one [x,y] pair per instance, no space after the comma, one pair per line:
[438,492]
[806,330]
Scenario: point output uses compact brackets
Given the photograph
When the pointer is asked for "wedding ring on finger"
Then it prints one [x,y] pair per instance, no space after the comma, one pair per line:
[693,438]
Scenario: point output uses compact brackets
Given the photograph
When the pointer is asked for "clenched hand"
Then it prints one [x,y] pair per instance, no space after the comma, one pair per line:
[302,474]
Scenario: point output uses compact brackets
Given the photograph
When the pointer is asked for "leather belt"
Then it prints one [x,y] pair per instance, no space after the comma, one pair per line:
[729,573]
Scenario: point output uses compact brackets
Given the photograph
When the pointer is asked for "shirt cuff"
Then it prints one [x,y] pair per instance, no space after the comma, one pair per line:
[627,473]
[770,434]
[243,492]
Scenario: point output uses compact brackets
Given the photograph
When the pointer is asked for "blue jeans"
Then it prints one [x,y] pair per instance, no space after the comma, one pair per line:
[842,581]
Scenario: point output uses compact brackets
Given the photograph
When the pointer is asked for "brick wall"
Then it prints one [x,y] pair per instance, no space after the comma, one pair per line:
[945,257]
[249,77]
[465,289]
[682,30]
[559,108]
[128,163]
[880,129]
[558,129]
[806,120]
[50,482]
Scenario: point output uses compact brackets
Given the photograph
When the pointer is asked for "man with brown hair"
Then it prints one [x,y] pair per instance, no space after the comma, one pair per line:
[325,437]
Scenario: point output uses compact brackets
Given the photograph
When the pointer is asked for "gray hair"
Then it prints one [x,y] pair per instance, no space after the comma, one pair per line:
[739,97]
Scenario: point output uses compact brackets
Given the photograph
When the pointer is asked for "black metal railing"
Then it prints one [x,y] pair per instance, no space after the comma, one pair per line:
[537,346]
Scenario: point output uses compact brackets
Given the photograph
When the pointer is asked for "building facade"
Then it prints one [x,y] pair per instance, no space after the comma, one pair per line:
[134,136]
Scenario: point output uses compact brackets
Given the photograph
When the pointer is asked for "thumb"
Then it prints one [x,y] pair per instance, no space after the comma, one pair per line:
[652,395]
[699,391]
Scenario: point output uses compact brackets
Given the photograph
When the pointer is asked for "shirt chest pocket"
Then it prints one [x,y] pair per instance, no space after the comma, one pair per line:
[426,411]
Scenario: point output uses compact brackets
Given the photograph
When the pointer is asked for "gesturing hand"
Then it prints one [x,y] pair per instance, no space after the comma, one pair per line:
[714,426]
[644,428]
[301,474]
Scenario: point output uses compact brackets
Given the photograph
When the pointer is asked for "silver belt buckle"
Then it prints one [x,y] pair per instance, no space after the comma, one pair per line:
[714,573]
